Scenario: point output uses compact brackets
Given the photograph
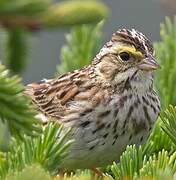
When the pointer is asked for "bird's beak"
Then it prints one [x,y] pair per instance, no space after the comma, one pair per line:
[149,64]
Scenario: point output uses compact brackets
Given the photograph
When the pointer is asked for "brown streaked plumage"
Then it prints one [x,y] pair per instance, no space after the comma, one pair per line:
[109,104]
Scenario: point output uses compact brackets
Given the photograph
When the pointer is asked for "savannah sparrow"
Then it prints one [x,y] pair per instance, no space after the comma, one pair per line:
[109,104]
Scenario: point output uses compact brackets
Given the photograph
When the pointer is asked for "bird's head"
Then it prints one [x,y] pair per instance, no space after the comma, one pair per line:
[128,56]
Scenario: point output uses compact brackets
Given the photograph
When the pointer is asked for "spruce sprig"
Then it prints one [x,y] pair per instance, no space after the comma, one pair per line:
[166,55]
[48,150]
[16,109]
[83,43]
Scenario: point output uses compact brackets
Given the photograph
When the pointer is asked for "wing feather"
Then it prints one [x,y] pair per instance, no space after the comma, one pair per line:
[71,94]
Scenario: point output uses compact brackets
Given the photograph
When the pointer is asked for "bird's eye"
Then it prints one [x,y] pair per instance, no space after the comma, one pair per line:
[124,56]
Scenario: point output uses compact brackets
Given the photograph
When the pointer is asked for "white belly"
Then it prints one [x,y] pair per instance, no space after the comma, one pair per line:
[101,155]
[94,149]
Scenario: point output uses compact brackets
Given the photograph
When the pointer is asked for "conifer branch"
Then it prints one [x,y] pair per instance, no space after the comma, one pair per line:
[166,55]
[15,109]
[168,118]
[83,43]
[48,150]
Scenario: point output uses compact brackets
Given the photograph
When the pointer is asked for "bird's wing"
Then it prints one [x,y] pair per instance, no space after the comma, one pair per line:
[68,96]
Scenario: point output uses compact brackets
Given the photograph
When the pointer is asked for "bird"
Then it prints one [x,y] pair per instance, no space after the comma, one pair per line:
[108,104]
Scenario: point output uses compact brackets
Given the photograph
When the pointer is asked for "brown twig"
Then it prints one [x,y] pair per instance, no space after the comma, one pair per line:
[29,23]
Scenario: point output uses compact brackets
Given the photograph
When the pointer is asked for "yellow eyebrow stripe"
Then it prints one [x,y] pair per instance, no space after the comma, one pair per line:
[131,50]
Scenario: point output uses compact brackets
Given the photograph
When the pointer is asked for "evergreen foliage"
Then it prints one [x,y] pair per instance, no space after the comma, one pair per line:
[166,55]
[15,109]
[169,123]
[83,43]
[47,150]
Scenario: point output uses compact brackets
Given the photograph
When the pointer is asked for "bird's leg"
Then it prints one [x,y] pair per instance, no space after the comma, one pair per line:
[97,171]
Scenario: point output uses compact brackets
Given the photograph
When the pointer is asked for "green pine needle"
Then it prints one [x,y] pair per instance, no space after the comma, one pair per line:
[158,140]
[133,165]
[15,108]
[166,55]
[130,163]
[83,43]
[48,150]
[168,118]
[156,163]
